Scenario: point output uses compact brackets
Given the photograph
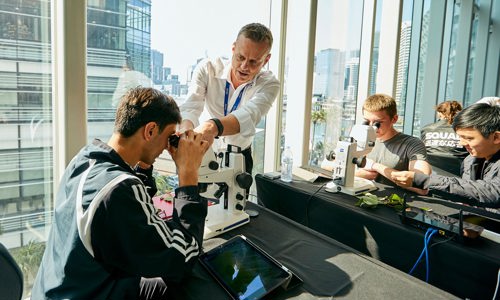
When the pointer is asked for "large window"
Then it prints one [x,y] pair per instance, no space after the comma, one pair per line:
[336,72]
[447,50]
[132,43]
[107,62]
[180,42]
[26,130]
[452,46]
[403,61]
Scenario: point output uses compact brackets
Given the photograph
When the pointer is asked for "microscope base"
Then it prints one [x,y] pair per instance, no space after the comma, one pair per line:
[360,186]
[220,220]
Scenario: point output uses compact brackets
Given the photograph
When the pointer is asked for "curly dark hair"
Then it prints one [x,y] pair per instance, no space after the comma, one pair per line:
[449,109]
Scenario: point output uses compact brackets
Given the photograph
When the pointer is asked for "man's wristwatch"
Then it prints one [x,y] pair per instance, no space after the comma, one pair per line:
[220,127]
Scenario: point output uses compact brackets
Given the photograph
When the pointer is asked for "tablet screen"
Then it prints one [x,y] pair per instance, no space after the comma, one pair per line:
[244,271]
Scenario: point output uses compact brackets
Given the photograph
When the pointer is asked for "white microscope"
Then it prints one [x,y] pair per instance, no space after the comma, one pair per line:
[348,155]
[232,182]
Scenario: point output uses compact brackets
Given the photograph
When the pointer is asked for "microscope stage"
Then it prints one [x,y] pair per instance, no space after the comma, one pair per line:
[220,220]
[360,186]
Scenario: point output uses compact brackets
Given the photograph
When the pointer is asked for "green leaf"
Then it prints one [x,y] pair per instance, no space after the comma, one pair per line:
[368,200]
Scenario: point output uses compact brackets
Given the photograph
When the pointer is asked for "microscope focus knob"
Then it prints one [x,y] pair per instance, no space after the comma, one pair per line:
[330,156]
[213,165]
[238,206]
[244,180]
[360,162]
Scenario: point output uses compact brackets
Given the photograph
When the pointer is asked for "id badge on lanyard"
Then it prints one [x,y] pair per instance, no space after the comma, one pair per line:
[226,99]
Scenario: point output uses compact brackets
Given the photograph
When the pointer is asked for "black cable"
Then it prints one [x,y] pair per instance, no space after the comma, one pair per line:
[309,201]
[442,242]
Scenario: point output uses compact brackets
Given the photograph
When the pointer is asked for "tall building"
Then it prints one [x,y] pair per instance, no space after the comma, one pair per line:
[402,75]
[374,65]
[351,79]
[25,110]
[329,73]
[119,57]
[118,39]
[106,60]
[404,55]
[138,42]
[424,45]
[166,72]
[157,66]
[350,95]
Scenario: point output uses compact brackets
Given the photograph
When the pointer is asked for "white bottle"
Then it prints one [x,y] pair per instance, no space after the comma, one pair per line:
[286,165]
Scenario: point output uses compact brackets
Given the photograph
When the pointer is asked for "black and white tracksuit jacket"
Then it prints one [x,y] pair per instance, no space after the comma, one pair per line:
[106,234]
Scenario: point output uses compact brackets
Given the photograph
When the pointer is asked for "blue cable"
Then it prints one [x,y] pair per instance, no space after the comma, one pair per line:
[427,238]
[421,254]
[427,267]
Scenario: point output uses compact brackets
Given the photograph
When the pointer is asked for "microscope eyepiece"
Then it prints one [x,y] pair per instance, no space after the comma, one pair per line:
[173,140]
[375,124]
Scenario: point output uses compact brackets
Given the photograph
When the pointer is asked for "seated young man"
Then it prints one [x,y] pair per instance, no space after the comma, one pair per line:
[394,151]
[478,127]
[106,241]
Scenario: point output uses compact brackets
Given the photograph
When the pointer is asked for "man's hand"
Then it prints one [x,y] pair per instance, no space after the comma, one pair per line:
[403,178]
[208,130]
[367,171]
[188,156]
[369,165]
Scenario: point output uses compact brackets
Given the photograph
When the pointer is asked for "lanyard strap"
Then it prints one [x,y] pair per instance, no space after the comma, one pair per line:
[226,98]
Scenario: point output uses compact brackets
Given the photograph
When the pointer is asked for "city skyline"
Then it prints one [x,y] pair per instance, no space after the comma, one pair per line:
[183,46]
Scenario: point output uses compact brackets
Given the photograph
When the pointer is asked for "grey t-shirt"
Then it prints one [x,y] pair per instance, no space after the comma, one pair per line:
[397,152]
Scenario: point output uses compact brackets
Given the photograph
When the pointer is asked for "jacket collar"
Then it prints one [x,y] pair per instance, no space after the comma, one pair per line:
[480,164]
[104,151]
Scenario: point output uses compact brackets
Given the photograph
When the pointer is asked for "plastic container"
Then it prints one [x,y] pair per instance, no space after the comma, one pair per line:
[287,165]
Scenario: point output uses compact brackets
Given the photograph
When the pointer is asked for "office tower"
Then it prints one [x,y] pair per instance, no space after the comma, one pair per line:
[138,42]
[26,156]
[351,79]
[374,64]
[25,114]
[329,73]
[157,66]
[402,75]
[424,45]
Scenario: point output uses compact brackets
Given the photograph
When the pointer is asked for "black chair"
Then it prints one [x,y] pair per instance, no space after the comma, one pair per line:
[11,277]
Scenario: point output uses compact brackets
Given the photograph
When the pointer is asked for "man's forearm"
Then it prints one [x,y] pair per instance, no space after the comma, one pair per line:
[231,125]
[387,173]
[421,181]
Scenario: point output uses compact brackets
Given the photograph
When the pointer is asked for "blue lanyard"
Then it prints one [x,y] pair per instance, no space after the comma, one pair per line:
[226,98]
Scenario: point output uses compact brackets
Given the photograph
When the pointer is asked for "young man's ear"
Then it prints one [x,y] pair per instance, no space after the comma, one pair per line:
[394,119]
[149,130]
[496,137]
[268,57]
